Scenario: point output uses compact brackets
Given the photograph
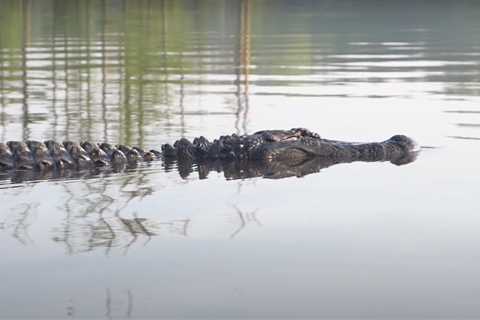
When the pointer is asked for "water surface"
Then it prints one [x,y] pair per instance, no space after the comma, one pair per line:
[361,239]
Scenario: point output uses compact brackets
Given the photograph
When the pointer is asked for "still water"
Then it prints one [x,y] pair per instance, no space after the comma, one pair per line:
[361,239]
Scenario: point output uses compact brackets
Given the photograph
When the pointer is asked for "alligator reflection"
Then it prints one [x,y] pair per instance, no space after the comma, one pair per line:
[270,170]
[119,304]
[231,169]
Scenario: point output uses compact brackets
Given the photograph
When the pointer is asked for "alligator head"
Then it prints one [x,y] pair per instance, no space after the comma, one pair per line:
[399,149]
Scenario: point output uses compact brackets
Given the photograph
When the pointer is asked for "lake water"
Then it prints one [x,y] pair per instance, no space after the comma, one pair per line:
[354,240]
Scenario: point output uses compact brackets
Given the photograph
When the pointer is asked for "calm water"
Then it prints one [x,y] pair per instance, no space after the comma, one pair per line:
[372,240]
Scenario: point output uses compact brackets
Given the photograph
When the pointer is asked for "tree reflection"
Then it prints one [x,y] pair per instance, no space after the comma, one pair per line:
[243,68]
[98,220]
[117,69]
[112,67]
[244,219]
[115,304]
[18,222]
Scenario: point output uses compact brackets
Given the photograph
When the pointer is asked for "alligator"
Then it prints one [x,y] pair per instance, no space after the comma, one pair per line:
[267,153]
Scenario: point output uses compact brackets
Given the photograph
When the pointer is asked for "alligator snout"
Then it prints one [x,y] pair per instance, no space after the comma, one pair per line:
[408,144]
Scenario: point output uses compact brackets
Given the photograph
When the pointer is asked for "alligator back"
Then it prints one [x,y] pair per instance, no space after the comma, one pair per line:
[52,155]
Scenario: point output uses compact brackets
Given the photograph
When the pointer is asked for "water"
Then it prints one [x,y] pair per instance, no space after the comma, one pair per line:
[361,239]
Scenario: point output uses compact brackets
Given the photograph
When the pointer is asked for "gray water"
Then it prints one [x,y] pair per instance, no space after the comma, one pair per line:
[354,240]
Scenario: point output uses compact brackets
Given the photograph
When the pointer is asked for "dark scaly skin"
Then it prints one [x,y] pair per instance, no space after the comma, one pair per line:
[234,147]
[78,154]
[22,155]
[51,155]
[293,145]
[132,155]
[117,157]
[60,155]
[168,151]
[107,148]
[268,153]
[97,155]
[42,158]
[6,157]
[393,150]
[147,155]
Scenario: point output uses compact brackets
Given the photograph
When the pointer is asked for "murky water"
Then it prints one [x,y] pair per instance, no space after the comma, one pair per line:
[361,239]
